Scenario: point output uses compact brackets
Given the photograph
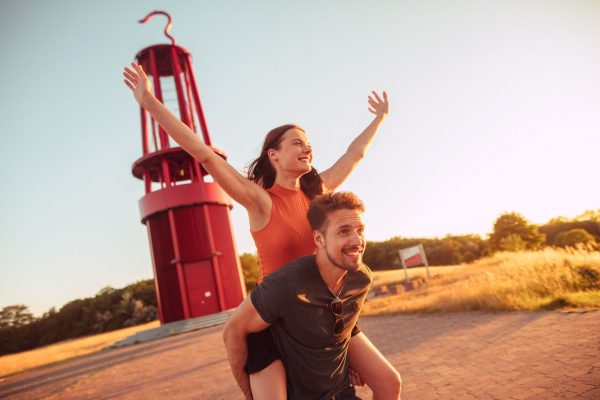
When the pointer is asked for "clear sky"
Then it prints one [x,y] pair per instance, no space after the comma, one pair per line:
[495,106]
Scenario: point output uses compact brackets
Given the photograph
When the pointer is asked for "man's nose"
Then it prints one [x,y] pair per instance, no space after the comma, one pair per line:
[357,239]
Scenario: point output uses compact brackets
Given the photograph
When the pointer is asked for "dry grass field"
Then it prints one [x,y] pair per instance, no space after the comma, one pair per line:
[397,275]
[13,363]
[546,279]
[528,280]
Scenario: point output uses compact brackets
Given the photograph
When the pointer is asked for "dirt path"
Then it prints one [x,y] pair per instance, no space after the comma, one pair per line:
[541,355]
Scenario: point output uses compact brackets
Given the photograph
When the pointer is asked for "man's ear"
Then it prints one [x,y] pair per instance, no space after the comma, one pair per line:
[319,239]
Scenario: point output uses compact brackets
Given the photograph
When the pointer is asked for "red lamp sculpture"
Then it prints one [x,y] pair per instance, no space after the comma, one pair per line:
[196,267]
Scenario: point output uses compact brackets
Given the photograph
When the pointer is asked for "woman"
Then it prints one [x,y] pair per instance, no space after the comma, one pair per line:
[276,196]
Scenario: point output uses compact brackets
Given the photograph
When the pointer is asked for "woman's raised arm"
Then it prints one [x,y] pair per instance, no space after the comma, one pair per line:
[250,195]
[343,167]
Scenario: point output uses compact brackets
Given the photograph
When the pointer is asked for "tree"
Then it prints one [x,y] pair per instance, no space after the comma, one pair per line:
[250,270]
[512,242]
[589,215]
[15,316]
[515,224]
[554,227]
[573,237]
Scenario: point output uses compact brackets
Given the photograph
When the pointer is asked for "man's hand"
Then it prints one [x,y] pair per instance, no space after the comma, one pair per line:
[244,320]
[355,378]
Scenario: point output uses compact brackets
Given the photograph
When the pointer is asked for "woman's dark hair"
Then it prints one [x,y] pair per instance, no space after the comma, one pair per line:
[262,172]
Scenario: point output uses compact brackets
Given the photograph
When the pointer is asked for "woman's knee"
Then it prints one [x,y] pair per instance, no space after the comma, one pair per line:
[388,386]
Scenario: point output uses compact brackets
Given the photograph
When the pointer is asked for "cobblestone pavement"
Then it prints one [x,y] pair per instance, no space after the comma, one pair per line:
[540,355]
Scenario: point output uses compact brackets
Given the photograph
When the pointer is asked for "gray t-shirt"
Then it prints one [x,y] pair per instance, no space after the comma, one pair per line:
[296,302]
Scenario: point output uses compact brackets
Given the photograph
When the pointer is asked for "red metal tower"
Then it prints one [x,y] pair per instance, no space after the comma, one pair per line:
[196,267]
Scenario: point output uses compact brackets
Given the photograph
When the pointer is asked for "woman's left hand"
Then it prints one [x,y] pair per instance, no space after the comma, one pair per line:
[377,105]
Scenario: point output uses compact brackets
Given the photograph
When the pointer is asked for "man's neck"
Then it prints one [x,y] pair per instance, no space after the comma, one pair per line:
[332,275]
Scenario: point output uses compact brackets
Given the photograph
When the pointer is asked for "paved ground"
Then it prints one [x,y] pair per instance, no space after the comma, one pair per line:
[541,355]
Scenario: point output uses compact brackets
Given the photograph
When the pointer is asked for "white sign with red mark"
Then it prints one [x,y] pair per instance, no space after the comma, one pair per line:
[413,256]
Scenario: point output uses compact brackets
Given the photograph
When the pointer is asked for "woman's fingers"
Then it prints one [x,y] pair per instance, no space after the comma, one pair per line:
[129,73]
[129,84]
[377,105]
[377,96]
[130,77]
[139,70]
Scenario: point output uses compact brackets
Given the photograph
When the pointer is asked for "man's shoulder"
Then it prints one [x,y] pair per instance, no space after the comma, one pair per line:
[293,270]
[367,271]
[281,284]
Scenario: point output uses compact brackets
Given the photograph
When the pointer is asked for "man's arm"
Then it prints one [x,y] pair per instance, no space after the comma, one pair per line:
[243,321]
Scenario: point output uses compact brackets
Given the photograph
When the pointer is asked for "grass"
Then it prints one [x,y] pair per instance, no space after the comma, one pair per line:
[546,279]
[14,363]
[397,275]
[529,280]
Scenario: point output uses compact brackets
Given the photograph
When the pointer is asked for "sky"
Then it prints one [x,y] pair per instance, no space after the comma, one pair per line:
[494,107]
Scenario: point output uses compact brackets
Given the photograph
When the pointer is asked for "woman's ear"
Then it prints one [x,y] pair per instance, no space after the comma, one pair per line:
[272,154]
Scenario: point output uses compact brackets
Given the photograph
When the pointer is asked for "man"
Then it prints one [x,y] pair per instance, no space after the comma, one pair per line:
[311,304]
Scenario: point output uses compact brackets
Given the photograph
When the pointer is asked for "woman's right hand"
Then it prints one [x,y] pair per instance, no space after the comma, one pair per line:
[137,80]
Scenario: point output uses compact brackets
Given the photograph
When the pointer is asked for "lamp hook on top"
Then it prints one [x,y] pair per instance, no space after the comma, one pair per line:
[167,28]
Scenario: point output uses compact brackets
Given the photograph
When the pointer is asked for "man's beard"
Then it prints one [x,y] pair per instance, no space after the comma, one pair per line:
[352,267]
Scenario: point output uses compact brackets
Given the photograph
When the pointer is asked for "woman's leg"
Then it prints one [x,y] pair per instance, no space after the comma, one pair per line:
[269,383]
[375,370]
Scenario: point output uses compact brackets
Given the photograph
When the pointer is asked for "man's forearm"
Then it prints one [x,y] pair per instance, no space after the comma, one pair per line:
[237,352]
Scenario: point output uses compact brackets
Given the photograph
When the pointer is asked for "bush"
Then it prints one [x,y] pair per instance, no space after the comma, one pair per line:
[110,309]
[250,270]
[573,237]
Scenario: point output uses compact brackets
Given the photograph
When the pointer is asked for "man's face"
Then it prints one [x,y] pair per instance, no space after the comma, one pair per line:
[343,239]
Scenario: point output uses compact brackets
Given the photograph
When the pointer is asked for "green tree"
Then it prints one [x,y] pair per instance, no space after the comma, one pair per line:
[250,270]
[573,237]
[15,316]
[589,215]
[512,242]
[515,224]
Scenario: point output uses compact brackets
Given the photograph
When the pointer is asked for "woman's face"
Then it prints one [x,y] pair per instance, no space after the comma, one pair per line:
[294,153]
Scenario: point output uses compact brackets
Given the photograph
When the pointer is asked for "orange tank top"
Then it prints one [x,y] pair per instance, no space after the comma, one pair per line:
[287,235]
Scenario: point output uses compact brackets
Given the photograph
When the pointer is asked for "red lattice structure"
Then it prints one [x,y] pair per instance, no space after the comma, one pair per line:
[196,267]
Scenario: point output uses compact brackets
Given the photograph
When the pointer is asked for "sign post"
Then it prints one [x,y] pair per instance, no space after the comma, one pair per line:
[412,257]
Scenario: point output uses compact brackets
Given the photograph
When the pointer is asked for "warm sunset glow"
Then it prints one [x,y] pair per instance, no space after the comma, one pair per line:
[494,108]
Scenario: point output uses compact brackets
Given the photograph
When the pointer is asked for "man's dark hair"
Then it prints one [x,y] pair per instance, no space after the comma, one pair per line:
[326,203]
